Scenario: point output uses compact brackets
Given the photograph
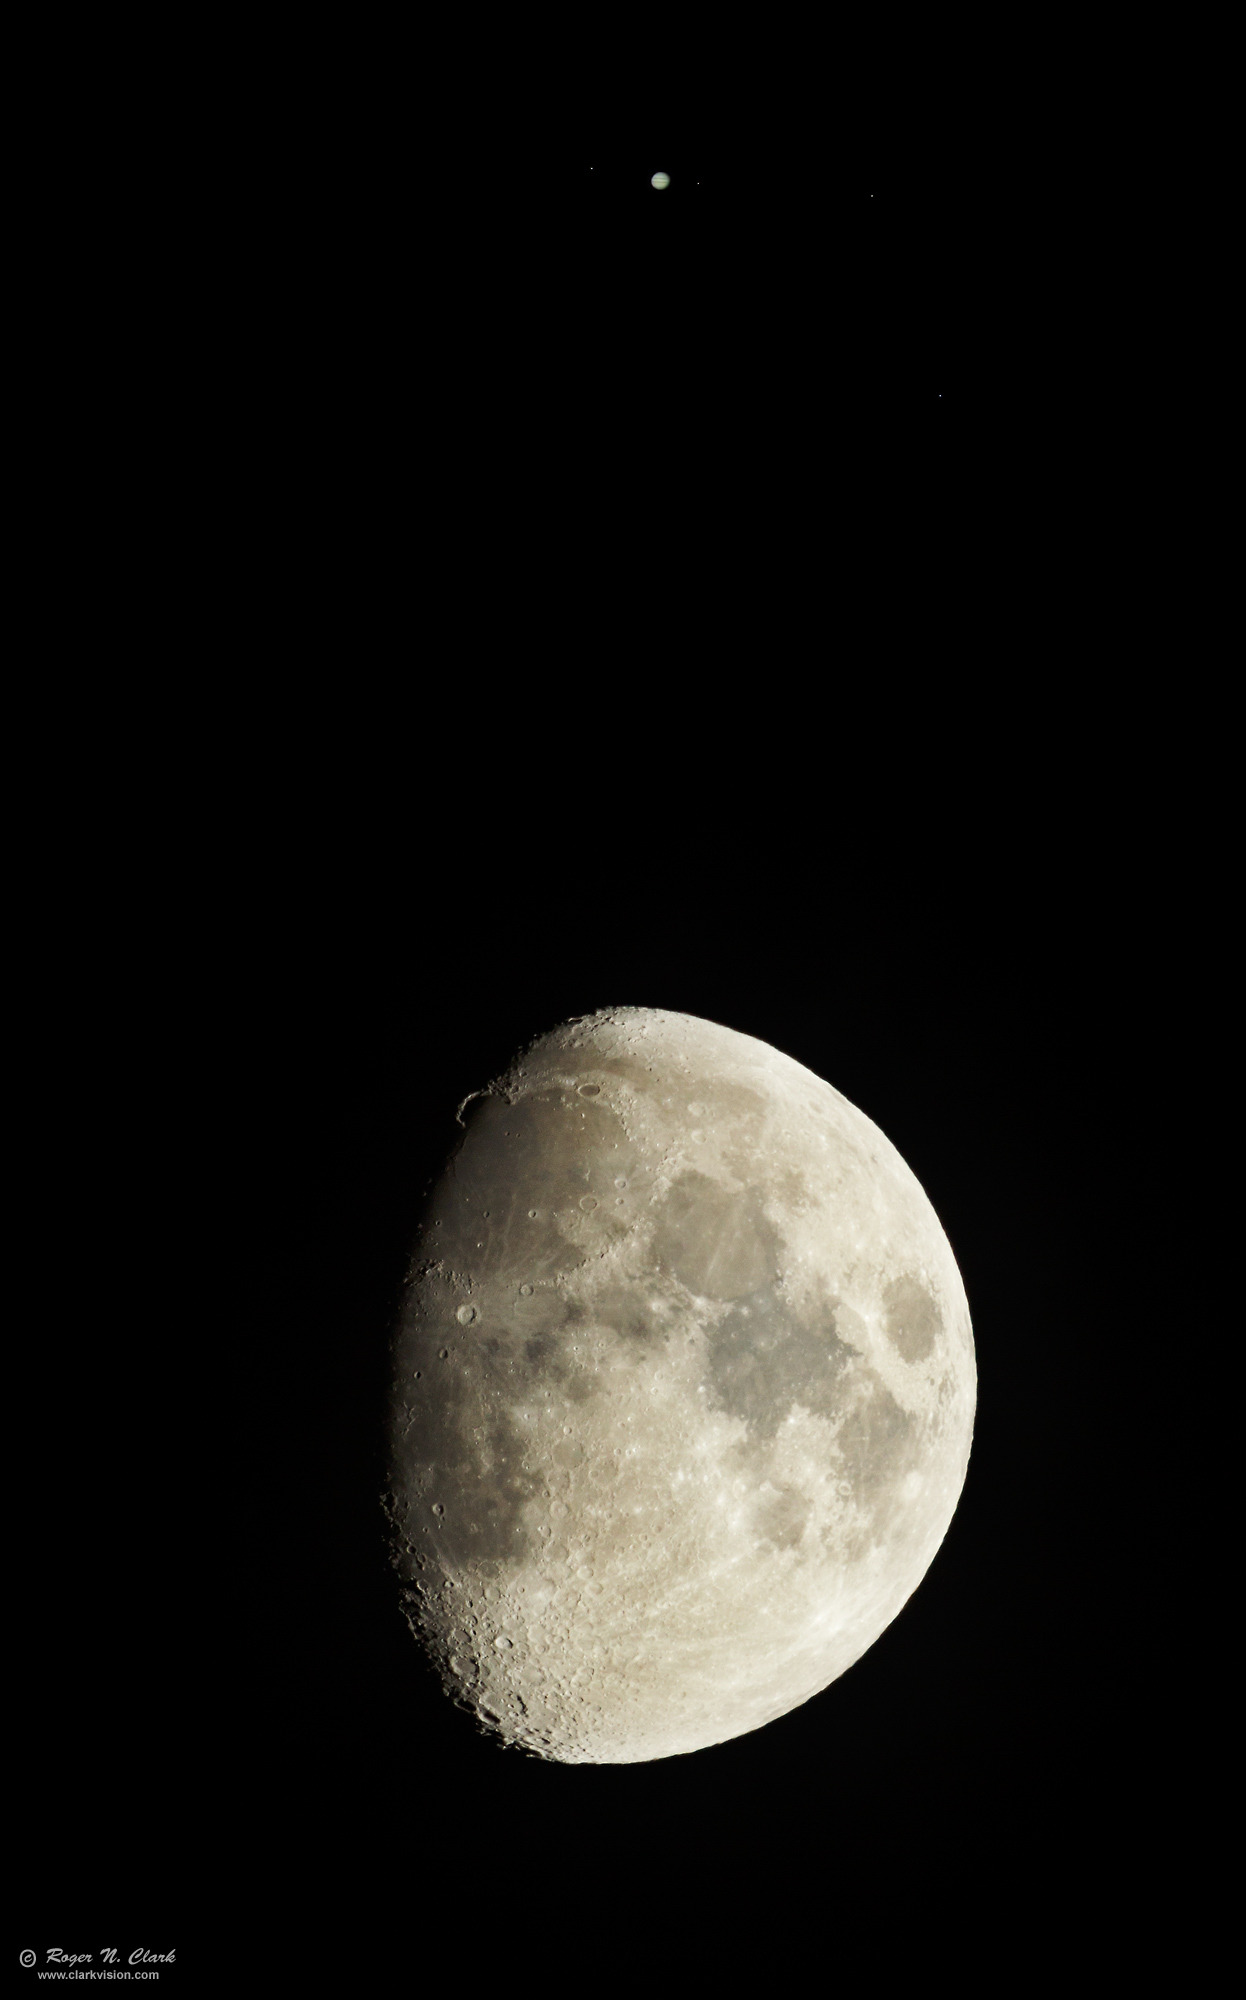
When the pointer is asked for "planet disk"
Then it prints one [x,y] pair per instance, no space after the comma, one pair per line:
[683,1392]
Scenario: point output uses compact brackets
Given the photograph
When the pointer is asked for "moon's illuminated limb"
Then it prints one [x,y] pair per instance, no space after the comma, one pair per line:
[684,1391]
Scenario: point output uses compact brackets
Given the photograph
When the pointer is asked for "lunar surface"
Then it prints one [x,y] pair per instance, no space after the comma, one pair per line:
[683,1392]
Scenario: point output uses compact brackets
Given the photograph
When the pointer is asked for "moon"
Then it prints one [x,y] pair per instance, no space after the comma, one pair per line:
[683,1392]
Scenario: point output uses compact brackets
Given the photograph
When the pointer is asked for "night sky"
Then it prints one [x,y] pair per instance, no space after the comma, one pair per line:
[599,596]
[786,277]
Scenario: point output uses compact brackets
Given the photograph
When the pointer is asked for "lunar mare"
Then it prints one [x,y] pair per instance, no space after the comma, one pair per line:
[683,1392]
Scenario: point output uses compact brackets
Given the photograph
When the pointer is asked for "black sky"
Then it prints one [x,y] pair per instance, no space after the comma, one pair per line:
[488,706]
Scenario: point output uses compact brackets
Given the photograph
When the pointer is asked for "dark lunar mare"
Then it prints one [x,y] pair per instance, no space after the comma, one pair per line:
[762,1361]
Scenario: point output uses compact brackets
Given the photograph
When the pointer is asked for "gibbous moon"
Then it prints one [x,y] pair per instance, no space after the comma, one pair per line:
[683,1392]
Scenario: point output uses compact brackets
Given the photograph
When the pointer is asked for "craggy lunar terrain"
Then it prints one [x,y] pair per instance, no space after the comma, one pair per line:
[683,1397]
